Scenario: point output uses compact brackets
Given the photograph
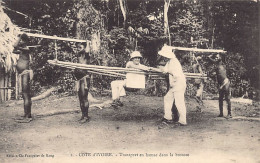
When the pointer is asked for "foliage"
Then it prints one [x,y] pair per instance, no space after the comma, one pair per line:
[237,32]
[228,25]
[118,42]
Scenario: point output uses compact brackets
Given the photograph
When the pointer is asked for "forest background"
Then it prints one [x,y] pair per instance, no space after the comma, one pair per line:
[117,27]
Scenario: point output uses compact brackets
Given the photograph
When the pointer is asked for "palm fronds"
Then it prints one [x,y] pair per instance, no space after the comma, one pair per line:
[8,37]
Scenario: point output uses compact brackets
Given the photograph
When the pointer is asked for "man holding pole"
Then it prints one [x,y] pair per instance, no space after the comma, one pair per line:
[223,84]
[177,88]
[83,82]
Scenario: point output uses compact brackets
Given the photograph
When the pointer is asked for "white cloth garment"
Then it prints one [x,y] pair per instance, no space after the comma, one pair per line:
[178,97]
[134,80]
[118,88]
[176,92]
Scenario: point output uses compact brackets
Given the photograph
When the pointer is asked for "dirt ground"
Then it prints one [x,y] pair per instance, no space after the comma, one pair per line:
[131,133]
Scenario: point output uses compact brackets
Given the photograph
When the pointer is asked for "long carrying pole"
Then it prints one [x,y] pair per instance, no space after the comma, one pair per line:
[91,67]
[111,71]
[199,50]
[53,37]
[95,71]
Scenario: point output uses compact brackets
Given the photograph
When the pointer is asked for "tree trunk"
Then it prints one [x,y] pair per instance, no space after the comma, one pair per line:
[95,41]
[66,111]
[213,37]
[166,23]
[6,85]
[9,85]
[167,34]
[95,44]
[123,9]
[39,97]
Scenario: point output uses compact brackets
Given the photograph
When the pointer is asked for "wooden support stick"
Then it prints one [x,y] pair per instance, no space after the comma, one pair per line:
[16,85]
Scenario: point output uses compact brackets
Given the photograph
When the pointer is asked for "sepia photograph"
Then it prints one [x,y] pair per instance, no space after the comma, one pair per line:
[117,81]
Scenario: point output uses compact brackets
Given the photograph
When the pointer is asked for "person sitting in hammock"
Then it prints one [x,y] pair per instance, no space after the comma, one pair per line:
[25,76]
[83,82]
[118,86]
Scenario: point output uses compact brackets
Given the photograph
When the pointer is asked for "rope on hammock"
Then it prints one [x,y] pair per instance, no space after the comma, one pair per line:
[117,71]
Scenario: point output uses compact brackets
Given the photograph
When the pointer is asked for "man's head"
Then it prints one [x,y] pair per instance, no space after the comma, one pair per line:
[24,40]
[218,58]
[81,47]
[135,57]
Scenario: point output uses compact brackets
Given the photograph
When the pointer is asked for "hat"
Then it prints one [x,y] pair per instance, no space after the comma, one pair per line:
[166,51]
[135,54]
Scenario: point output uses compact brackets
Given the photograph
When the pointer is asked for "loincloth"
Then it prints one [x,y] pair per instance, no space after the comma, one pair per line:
[84,79]
[30,72]
[79,74]
[225,82]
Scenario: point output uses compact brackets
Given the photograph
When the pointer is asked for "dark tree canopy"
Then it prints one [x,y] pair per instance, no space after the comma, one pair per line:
[229,25]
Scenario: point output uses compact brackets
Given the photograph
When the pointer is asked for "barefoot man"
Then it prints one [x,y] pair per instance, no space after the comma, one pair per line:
[83,82]
[25,76]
